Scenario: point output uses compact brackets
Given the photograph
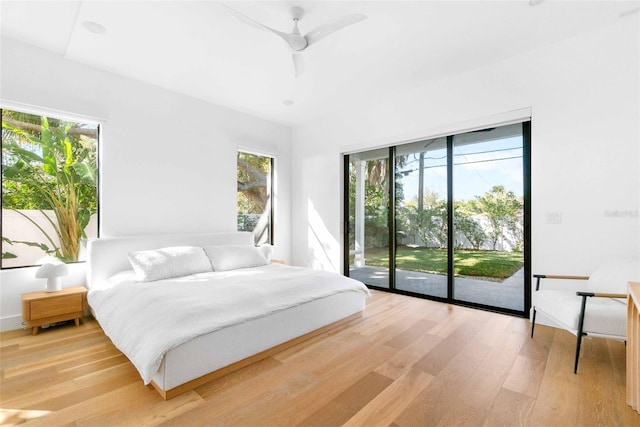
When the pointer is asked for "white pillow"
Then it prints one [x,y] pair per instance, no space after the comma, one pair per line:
[170,262]
[231,257]
[613,276]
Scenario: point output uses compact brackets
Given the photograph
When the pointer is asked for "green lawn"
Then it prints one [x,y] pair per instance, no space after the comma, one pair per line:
[493,264]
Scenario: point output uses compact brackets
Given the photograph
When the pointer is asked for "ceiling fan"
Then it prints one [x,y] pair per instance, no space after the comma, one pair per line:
[298,43]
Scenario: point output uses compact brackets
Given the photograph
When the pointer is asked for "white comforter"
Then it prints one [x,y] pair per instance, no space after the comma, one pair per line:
[145,320]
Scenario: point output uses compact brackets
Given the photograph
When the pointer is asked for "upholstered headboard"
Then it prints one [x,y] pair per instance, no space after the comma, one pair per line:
[109,255]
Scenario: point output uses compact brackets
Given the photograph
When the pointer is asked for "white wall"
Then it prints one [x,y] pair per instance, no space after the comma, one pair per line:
[161,153]
[583,98]
[174,155]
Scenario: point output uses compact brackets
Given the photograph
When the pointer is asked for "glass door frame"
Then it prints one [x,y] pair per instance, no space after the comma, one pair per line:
[526,172]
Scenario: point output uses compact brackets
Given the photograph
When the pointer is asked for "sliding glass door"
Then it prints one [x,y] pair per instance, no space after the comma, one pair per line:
[368,217]
[422,218]
[444,218]
[488,188]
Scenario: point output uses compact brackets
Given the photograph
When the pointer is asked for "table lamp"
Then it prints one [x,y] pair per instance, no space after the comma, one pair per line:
[52,272]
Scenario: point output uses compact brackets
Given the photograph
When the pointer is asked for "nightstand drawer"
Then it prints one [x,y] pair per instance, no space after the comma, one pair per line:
[40,309]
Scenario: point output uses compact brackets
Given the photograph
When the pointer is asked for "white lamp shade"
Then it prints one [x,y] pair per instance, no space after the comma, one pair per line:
[52,272]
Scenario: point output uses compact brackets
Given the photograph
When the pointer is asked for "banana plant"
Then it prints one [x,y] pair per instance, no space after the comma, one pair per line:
[7,255]
[57,172]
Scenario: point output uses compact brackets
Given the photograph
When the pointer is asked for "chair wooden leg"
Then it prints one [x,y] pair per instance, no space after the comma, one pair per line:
[533,322]
[580,333]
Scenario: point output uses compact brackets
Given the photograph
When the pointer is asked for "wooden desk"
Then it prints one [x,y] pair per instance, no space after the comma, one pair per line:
[633,346]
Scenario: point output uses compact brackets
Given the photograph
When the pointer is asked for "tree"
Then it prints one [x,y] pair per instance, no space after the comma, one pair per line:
[429,219]
[254,192]
[465,222]
[376,201]
[470,229]
[502,209]
[253,172]
[50,166]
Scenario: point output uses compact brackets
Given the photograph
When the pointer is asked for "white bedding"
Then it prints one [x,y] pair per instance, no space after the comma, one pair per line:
[144,320]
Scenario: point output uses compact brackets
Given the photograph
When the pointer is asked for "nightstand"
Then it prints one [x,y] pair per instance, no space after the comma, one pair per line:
[42,308]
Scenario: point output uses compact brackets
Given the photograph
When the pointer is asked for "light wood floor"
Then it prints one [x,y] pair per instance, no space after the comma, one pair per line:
[407,362]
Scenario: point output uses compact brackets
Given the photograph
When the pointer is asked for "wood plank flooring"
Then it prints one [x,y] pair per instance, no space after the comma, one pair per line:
[406,362]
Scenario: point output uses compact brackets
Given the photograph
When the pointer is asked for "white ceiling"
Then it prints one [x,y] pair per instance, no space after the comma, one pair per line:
[200,49]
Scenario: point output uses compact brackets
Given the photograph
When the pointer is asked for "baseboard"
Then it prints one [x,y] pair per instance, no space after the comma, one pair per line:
[11,323]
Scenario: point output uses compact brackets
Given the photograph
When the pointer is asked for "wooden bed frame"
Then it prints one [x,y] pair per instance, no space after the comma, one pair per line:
[170,394]
[213,355]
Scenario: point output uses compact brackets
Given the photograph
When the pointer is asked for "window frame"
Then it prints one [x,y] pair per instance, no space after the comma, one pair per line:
[67,117]
[271,190]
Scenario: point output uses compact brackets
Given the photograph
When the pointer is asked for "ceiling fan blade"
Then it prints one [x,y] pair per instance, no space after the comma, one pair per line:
[324,30]
[295,41]
[298,64]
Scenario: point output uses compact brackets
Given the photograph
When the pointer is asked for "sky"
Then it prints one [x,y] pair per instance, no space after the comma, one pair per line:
[477,168]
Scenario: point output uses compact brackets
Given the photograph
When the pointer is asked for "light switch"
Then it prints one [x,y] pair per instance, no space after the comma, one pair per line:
[554,217]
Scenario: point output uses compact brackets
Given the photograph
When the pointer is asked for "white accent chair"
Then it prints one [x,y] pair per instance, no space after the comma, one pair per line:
[599,309]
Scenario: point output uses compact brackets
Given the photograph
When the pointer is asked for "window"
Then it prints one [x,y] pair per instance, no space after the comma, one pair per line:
[49,188]
[255,194]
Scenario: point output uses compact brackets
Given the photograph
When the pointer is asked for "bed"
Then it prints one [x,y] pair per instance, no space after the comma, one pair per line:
[190,326]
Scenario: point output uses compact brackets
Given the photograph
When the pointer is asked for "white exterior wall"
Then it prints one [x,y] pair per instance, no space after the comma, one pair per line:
[167,161]
[583,96]
[18,228]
